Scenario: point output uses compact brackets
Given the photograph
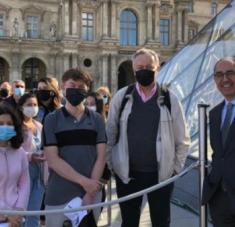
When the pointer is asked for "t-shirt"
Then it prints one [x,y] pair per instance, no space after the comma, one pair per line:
[76,142]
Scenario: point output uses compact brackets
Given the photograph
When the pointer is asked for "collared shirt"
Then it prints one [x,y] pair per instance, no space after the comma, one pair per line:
[225,110]
[76,141]
[143,96]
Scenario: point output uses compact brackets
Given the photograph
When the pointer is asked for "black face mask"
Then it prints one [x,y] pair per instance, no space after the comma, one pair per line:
[75,96]
[45,95]
[4,93]
[144,77]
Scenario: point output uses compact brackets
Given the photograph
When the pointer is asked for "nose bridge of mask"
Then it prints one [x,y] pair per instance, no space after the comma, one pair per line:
[19,91]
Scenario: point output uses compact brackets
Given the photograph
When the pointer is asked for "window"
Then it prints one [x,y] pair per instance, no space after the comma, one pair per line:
[87,26]
[128,28]
[164,32]
[1,25]
[190,7]
[213,9]
[32,27]
[33,69]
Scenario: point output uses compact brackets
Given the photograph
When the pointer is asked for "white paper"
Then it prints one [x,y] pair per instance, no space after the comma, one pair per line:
[75,217]
[4,225]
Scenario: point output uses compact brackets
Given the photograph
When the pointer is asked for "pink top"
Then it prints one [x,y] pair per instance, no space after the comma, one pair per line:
[14,179]
[142,95]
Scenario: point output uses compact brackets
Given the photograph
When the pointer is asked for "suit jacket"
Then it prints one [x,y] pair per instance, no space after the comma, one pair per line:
[223,158]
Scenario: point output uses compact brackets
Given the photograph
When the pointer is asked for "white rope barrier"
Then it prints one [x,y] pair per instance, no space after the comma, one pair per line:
[103,204]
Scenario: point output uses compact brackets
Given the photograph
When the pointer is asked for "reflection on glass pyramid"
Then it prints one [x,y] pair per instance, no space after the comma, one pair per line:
[190,71]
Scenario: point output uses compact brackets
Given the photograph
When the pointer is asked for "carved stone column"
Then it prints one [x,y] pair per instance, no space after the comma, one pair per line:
[114,20]
[66,17]
[114,78]
[179,26]
[79,19]
[105,70]
[105,18]
[149,22]
[66,61]
[74,20]
[186,28]
[157,21]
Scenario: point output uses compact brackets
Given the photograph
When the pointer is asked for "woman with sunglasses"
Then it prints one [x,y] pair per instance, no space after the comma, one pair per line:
[48,95]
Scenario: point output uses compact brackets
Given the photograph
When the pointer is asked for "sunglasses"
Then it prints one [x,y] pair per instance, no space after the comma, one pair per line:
[19,86]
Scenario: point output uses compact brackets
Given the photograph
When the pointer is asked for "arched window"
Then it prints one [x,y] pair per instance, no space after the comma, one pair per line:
[128,28]
[4,70]
[32,70]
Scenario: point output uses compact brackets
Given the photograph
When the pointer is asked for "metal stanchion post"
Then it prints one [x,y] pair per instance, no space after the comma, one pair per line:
[202,158]
[109,197]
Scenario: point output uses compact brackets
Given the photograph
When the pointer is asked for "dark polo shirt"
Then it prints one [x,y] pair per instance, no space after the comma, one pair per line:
[76,142]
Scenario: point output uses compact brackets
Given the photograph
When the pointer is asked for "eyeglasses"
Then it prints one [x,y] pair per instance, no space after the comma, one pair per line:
[230,74]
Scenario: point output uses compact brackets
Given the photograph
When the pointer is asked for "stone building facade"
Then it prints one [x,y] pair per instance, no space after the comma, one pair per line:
[46,37]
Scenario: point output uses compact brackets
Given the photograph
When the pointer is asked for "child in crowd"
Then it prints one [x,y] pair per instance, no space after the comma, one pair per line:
[14,174]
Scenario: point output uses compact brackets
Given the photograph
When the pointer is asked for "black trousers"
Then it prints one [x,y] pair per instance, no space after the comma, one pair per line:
[159,201]
[220,209]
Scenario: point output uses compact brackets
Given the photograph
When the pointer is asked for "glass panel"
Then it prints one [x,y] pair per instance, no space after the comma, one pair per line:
[210,96]
[190,71]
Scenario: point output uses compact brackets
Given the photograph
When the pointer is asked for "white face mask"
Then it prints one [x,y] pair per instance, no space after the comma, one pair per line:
[92,108]
[30,111]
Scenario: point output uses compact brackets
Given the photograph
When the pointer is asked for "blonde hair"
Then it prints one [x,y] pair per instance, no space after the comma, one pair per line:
[104,90]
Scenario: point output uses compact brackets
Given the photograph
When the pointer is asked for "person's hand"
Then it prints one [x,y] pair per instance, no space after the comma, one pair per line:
[91,186]
[88,199]
[37,158]
[15,221]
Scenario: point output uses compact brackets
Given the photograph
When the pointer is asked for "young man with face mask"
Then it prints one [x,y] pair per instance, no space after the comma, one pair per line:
[152,144]
[74,146]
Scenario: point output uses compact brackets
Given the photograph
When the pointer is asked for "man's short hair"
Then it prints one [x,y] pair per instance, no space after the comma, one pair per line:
[77,74]
[228,58]
[18,81]
[147,52]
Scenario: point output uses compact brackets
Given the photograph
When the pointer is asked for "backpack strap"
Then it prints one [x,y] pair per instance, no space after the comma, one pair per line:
[163,92]
[129,90]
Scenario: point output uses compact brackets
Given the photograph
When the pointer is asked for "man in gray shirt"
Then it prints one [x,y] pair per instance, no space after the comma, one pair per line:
[74,144]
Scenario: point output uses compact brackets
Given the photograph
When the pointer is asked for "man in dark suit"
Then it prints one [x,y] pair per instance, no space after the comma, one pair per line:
[219,186]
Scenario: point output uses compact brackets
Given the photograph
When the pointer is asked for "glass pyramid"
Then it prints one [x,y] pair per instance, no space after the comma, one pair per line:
[190,71]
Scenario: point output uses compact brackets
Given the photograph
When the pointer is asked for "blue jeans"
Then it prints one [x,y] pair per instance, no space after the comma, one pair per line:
[36,194]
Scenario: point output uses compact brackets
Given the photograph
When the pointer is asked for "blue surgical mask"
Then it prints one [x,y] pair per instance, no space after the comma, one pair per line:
[19,91]
[7,132]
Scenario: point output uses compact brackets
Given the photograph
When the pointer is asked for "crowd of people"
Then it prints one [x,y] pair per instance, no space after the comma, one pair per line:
[59,143]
